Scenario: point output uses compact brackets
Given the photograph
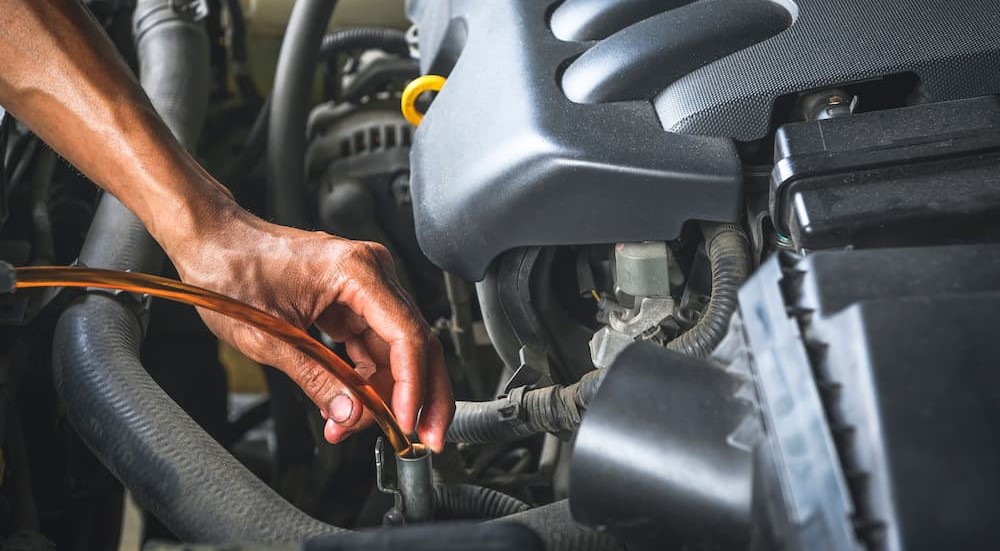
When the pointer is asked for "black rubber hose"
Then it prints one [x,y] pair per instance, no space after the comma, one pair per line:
[238,43]
[560,532]
[729,254]
[469,502]
[174,469]
[293,79]
[389,40]
[552,409]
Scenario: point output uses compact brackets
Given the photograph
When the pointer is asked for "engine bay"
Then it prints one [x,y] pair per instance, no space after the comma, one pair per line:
[706,274]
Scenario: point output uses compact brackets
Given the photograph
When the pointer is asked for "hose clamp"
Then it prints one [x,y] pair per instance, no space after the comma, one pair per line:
[512,413]
[137,303]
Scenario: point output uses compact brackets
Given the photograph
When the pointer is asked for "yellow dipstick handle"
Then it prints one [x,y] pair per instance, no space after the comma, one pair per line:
[413,90]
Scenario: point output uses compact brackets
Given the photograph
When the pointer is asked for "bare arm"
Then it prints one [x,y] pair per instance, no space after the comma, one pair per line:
[61,76]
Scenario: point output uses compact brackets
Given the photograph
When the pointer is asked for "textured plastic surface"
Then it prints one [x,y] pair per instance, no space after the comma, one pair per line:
[816,507]
[952,47]
[675,478]
[644,58]
[905,343]
[503,159]
[439,537]
[596,19]
[923,174]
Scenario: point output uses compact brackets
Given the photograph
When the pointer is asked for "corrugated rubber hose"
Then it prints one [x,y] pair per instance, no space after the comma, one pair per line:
[729,255]
[552,409]
[468,502]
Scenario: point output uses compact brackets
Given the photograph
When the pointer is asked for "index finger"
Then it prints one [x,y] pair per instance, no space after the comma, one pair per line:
[391,315]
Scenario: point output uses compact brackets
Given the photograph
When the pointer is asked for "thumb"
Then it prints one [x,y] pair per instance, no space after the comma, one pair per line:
[343,411]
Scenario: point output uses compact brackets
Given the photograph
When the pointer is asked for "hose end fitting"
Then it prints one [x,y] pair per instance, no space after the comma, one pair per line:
[412,487]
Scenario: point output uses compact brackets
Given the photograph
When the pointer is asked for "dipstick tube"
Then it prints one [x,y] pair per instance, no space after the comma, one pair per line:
[161,287]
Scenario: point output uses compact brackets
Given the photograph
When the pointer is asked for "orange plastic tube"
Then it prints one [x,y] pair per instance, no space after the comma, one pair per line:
[71,276]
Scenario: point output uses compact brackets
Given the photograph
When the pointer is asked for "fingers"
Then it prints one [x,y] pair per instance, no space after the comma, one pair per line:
[375,295]
[439,405]
[340,323]
[336,403]
[337,432]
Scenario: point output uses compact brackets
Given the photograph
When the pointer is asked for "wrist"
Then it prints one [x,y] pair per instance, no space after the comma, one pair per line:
[199,222]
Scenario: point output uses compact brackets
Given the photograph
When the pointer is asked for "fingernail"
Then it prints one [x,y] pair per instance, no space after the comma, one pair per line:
[341,408]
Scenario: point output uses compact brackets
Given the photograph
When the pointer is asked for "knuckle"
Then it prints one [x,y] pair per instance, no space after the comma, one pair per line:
[314,381]
[379,250]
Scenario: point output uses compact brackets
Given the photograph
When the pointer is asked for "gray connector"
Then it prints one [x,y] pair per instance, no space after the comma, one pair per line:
[643,269]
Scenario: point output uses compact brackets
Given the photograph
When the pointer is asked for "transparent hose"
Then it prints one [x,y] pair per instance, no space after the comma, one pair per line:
[71,276]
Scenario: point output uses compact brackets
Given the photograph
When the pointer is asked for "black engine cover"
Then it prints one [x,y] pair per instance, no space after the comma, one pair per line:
[503,159]
[550,129]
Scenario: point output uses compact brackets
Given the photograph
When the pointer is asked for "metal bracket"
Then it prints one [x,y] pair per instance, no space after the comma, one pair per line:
[533,371]
[394,516]
[413,488]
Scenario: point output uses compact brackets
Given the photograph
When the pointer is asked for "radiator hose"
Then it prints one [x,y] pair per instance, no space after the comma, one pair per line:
[286,135]
[729,255]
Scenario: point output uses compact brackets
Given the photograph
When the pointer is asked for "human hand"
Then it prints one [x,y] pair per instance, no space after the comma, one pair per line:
[349,290]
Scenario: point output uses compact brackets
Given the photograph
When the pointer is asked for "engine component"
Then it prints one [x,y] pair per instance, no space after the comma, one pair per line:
[890,335]
[730,263]
[827,44]
[582,20]
[412,487]
[514,147]
[358,168]
[917,175]
[778,434]
[643,269]
[465,501]
[663,457]
[459,535]
[554,409]
[618,68]
[519,310]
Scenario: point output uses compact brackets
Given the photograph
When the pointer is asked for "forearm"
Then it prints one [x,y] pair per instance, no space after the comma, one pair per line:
[63,78]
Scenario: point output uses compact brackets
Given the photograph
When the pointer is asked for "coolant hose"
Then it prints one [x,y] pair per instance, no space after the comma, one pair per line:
[729,255]
[293,80]
[469,502]
[552,409]
[172,467]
